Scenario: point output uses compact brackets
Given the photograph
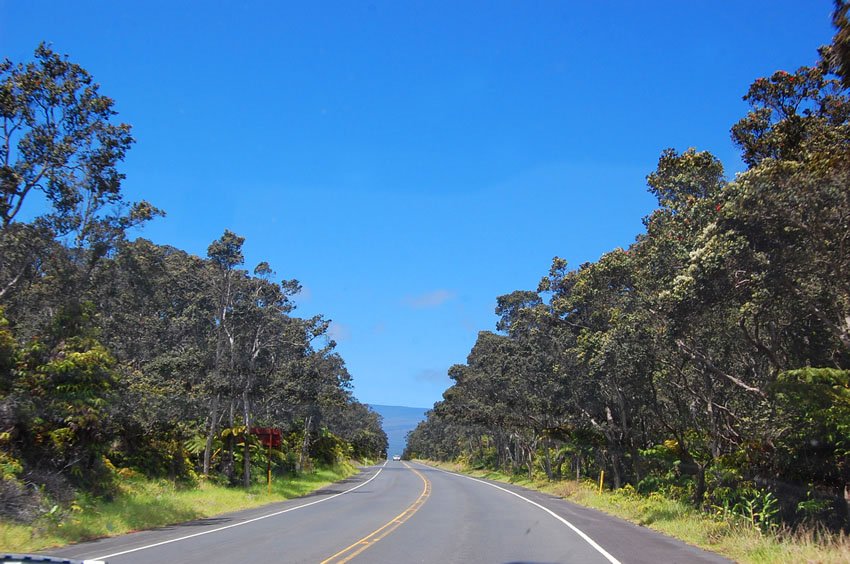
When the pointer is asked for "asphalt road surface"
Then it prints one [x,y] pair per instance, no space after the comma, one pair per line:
[401,512]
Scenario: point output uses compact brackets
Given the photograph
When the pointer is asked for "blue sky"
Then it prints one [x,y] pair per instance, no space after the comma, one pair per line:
[410,161]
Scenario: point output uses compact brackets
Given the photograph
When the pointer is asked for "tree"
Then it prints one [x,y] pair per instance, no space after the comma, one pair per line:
[711,357]
[60,394]
[130,353]
[838,54]
[225,255]
[156,309]
[776,258]
[59,138]
[604,353]
[262,314]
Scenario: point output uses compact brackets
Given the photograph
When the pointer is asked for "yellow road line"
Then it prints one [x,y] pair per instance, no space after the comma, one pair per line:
[350,552]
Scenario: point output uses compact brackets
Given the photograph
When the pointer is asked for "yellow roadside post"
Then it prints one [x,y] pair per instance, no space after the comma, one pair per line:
[601,479]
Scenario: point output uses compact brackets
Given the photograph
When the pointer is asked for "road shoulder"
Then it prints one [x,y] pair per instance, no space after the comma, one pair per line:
[625,541]
[197,527]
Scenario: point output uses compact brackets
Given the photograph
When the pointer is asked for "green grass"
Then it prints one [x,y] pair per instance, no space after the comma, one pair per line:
[735,539]
[145,504]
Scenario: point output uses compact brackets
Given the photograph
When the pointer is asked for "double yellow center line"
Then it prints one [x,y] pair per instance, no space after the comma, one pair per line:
[350,552]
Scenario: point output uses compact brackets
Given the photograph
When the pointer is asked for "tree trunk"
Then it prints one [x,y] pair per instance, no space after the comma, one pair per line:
[636,466]
[617,468]
[177,468]
[305,445]
[578,467]
[228,463]
[699,491]
[211,428]
[547,461]
[246,455]
[501,457]
[615,447]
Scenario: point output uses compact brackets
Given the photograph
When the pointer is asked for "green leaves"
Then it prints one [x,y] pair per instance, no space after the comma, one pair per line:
[8,355]
[60,396]
[226,252]
[131,348]
[791,111]
[820,398]
[59,140]
[678,360]
[681,180]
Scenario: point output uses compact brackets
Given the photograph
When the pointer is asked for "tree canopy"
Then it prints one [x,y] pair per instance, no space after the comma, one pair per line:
[708,360]
[125,355]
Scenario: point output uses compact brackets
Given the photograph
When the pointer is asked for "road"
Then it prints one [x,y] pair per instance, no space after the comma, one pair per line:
[401,512]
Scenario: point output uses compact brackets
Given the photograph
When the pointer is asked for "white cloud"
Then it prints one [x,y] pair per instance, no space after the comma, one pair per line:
[339,332]
[305,295]
[429,299]
[431,375]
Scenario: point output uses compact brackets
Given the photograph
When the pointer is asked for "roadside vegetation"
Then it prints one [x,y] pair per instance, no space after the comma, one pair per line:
[739,537]
[143,503]
[133,371]
[707,365]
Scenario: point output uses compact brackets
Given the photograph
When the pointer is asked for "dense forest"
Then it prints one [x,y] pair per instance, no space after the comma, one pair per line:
[710,360]
[120,355]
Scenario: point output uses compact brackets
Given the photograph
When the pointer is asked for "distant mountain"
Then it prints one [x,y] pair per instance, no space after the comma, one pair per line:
[398,421]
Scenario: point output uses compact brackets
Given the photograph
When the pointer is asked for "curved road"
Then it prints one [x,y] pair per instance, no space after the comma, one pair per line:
[402,512]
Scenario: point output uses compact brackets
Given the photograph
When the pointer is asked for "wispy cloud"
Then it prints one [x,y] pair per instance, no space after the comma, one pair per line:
[433,376]
[339,332]
[429,299]
[305,295]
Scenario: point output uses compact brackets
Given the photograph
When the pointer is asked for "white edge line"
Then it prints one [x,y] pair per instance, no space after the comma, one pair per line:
[239,524]
[575,529]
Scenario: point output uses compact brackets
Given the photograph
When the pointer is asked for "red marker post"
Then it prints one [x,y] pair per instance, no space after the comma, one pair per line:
[269,437]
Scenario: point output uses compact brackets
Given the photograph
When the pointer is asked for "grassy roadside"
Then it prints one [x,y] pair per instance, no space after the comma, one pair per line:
[145,504]
[735,540]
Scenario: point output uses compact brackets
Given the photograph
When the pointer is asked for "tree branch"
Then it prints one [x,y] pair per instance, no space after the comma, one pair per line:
[706,362]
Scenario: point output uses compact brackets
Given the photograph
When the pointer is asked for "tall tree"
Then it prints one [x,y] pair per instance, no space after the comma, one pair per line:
[225,255]
[59,138]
